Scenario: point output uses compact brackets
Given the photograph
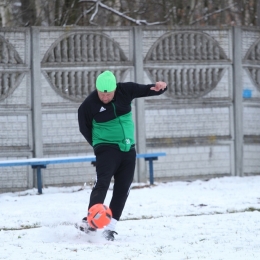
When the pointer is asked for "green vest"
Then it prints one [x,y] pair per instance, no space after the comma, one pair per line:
[117,131]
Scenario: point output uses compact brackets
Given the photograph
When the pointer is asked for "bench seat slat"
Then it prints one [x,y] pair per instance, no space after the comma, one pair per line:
[46,161]
[38,163]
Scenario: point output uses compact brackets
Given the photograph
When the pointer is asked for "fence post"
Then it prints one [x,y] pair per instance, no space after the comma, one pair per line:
[36,95]
[140,107]
[238,100]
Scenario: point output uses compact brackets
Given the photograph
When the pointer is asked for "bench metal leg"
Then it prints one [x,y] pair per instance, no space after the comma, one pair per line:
[150,160]
[39,176]
[39,179]
[151,171]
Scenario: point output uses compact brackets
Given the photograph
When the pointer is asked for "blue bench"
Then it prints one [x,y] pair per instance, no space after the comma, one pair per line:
[41,163]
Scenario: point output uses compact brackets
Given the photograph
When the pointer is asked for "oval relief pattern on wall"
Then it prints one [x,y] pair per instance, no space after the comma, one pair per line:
[252,59]
[73,62]
[10,77]
[187,62]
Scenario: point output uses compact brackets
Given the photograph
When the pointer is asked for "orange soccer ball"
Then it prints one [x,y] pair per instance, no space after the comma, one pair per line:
[99,216]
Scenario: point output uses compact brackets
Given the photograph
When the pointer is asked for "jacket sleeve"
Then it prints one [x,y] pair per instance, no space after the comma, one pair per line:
[85,122]
[141,90]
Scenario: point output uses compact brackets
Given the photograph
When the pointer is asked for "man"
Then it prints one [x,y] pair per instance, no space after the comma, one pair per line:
[105,120]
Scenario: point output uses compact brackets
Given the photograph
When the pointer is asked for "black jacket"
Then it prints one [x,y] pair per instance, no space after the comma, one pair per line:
[94,112]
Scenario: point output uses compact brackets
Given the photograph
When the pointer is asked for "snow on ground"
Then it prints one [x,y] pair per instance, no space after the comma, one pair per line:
[216,219]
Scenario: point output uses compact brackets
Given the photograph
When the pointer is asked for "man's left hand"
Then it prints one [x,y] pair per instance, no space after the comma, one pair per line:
[160,85]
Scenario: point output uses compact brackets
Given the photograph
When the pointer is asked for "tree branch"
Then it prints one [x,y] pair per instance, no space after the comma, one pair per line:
[84,13]
[95,13]
[66,16]
[138,22]
[207,15]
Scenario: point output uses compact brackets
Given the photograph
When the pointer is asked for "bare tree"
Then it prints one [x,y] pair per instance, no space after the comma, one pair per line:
[128,12]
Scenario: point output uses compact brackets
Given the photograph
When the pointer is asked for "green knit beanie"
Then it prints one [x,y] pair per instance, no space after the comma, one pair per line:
[106,81]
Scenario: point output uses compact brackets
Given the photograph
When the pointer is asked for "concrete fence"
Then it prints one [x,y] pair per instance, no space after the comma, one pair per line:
[208,122]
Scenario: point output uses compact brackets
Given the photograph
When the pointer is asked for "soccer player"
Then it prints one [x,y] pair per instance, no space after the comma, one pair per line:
[105,120]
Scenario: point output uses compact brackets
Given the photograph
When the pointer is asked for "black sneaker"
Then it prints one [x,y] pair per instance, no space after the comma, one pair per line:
[109,235]
[84,226]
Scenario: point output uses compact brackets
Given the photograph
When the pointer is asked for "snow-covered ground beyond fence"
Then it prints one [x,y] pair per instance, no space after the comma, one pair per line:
[216,219]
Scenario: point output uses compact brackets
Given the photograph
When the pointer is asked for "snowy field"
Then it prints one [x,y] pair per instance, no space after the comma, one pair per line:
[216,219]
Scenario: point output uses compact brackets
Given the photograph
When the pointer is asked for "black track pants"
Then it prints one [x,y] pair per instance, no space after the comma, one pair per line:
[113,162]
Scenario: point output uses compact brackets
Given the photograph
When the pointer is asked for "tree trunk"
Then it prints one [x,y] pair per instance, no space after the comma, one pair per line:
[41,12]
[258,13]
[28,12]
[6,13]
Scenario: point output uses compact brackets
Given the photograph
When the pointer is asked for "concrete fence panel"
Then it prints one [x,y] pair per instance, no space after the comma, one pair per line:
[207,122]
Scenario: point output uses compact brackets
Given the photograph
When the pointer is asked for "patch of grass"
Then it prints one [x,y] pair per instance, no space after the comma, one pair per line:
[37,225]
[22,227]
[250,209]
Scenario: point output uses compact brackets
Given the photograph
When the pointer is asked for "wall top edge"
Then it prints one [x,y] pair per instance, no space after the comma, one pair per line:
[14,29]
[81,28]
[250,28]
[122,28]
[191,27]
